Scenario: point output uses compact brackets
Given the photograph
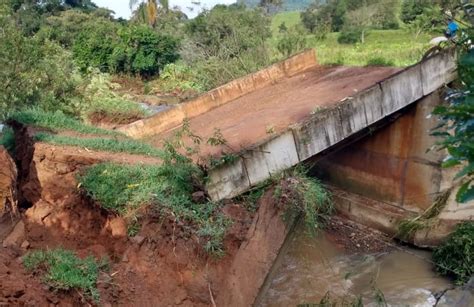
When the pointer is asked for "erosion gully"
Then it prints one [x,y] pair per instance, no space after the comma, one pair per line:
[309,268]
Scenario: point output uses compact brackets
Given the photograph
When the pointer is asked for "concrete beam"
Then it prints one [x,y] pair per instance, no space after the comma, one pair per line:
[438,70]
[228,180]
[271,157]
[401,90]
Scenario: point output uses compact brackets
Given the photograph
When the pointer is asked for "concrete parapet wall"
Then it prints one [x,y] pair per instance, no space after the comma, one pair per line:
[330,126]
[221,95]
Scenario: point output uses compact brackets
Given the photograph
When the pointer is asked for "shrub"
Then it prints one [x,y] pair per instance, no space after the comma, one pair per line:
[350,36]
[455,257]
[34,73]
[63,270]
[181,77]
[93,47]
[292,41]
[142,51]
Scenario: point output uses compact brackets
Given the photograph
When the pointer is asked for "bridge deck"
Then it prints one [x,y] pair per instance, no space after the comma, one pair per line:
[249,119]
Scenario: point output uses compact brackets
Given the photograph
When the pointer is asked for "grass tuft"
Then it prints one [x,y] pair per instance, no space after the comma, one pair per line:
[7,139]
[103,144]
[306,197]
[166,188]
[56,121]
[62,270]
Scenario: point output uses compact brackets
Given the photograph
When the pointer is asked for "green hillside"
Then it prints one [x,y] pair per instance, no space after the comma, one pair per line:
[288,5]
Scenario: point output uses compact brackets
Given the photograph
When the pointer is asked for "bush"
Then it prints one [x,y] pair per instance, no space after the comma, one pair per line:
[292,41]
[142,51]
[350,36]
[63,270]
[94,46]
[181,77]
[35,73]
[455,257]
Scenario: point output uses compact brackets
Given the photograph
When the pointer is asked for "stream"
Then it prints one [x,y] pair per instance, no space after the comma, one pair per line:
[311,267]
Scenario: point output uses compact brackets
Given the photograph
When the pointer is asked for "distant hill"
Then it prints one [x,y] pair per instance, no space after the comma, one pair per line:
[288,5]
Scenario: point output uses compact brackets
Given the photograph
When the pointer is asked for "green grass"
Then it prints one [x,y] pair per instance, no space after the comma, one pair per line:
[62,270]
[382,47]
[57,121]
[289,18]
[102,144]
[116,110]
[397,47]
[166,188]
[7,139]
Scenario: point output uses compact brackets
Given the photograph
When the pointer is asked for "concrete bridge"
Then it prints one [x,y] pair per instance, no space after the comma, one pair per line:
[297,111]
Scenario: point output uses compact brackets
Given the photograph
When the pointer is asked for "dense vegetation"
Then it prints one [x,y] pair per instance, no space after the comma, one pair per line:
[455,257]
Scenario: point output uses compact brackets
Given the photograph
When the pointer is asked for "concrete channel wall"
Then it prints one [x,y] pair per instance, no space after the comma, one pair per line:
[221,95]
[330,126]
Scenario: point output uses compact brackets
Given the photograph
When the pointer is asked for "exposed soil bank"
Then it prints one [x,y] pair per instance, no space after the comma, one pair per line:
[163,265]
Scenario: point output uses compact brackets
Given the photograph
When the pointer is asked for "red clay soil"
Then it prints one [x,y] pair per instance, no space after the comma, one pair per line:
[249,119]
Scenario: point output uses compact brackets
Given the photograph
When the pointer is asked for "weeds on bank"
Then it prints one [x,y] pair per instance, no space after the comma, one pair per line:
[56,121]
[455,257]
[103,144]
[62,270]
[166,188]
[305,197]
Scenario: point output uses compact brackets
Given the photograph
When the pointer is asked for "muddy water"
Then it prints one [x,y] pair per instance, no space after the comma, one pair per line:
[312,267]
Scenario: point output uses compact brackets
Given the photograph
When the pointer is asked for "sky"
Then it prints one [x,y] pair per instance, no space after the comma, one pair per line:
[122,9]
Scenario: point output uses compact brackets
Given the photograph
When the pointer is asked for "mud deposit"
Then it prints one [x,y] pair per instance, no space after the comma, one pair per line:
[345,267]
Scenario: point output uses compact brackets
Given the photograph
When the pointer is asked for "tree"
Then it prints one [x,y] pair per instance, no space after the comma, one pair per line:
[362,18]
[148,10]
[292,41]
[269,4]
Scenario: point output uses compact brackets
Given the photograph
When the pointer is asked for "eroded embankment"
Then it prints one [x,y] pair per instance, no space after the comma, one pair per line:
[163,264]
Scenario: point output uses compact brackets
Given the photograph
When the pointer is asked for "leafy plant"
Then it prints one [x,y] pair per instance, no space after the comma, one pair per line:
[62,270]
[181,77]
[350,35]
[456,126]
[455,257]
[292,41]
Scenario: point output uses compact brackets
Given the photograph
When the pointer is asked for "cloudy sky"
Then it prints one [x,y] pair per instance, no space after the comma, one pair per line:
[121,8]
